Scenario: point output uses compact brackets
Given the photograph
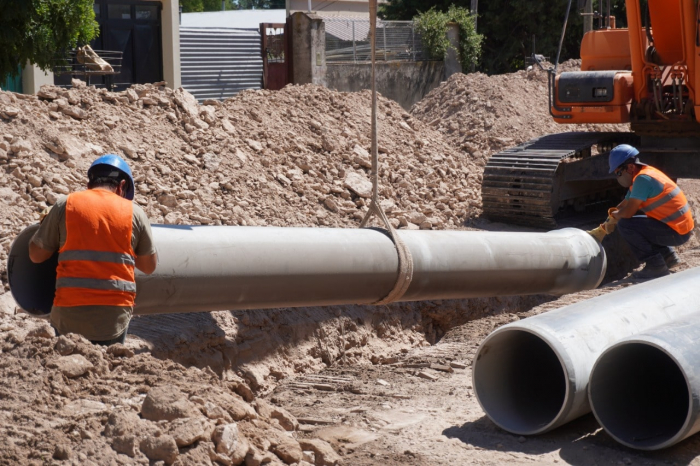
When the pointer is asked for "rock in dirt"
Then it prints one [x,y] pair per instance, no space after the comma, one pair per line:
[200,456]
[75,112]
[42,331]
[269,411]
[188,430]
[122,422]
[287,449]
[126,445]
[63,452]
[324,453]
[257,458]
[71,366]
[359,184]
[120,351]
[161,448]
[64,345]
[230,443]
[166,404]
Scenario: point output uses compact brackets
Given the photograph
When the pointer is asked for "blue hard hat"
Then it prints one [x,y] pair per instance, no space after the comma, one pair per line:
[620,155]
[117,162]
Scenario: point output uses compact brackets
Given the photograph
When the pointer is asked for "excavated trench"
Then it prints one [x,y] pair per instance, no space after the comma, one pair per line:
[265,346]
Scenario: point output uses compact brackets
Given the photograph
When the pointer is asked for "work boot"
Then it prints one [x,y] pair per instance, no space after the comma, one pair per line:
[651,271]
[672,260]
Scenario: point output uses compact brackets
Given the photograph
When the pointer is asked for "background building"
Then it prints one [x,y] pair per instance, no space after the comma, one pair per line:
[146,32]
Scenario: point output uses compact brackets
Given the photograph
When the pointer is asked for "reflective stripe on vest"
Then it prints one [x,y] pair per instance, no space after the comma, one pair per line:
[96,263]
[685,209]
[670,206]
[97,256]
[662,201]
[94,284]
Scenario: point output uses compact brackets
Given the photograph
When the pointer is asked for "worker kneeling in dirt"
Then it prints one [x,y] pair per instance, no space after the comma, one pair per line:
[655,215]
[100,236]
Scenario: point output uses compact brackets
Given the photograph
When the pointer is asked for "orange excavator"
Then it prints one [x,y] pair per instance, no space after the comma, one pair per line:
[646,75]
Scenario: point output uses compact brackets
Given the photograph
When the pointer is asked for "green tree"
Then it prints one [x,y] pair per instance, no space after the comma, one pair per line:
[194,6]
[509,26]
[39,31]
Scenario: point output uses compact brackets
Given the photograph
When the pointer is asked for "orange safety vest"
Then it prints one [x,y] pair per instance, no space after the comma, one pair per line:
[670,207]
[96,264]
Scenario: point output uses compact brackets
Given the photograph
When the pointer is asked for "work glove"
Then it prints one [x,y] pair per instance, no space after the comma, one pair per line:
[611,222]
[598,233]
[604,228]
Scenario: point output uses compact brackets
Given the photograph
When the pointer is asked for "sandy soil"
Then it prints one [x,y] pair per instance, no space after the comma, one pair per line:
[353,385]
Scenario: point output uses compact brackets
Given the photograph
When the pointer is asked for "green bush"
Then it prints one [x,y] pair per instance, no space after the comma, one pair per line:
[469,41]
[433,26]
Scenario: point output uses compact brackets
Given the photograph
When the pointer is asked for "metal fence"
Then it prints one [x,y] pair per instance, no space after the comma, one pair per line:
[218,63]
[347,40]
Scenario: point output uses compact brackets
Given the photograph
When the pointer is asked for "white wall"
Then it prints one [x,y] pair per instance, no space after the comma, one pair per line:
[33,78]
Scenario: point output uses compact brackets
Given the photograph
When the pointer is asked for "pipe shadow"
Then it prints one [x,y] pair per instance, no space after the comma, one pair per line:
[191,339]
[483,433]
[224,340]
[581,442]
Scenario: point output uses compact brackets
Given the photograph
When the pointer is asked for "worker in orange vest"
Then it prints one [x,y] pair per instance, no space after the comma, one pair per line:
[653,218]
[100,236]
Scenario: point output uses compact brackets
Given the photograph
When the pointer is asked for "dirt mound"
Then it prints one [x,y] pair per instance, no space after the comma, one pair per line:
[298,157]
[97,405]
[480,115]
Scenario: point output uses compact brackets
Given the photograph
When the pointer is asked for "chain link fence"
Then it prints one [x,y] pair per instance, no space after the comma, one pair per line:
[347,40]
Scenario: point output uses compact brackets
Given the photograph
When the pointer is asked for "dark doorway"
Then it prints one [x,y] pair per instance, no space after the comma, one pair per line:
[133,28]
[276,56]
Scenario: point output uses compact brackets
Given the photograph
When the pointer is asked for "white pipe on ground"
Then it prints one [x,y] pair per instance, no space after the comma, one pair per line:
[645,390]
[531,376]
[211,268]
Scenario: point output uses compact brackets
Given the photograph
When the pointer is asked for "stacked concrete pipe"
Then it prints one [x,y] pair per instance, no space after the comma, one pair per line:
[532,376]
[645,389]
[211,268]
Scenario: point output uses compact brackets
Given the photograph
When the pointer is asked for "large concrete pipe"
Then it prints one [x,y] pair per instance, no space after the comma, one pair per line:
[532,375]
[645,390]
[210,268]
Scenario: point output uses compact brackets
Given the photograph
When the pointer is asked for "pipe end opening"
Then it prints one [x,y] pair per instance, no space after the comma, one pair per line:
[640,396]
[32,285]
[519,381]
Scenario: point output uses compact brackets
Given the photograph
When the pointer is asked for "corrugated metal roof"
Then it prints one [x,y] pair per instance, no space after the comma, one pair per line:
[218,63]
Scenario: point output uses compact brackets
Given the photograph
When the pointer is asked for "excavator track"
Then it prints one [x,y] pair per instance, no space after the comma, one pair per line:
[525,185]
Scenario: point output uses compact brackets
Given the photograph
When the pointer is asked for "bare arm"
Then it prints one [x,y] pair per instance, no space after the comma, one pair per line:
[147,264]
[37,254]
[627,208]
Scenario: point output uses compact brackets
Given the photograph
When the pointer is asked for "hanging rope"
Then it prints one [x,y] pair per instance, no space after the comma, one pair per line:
[405,272]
